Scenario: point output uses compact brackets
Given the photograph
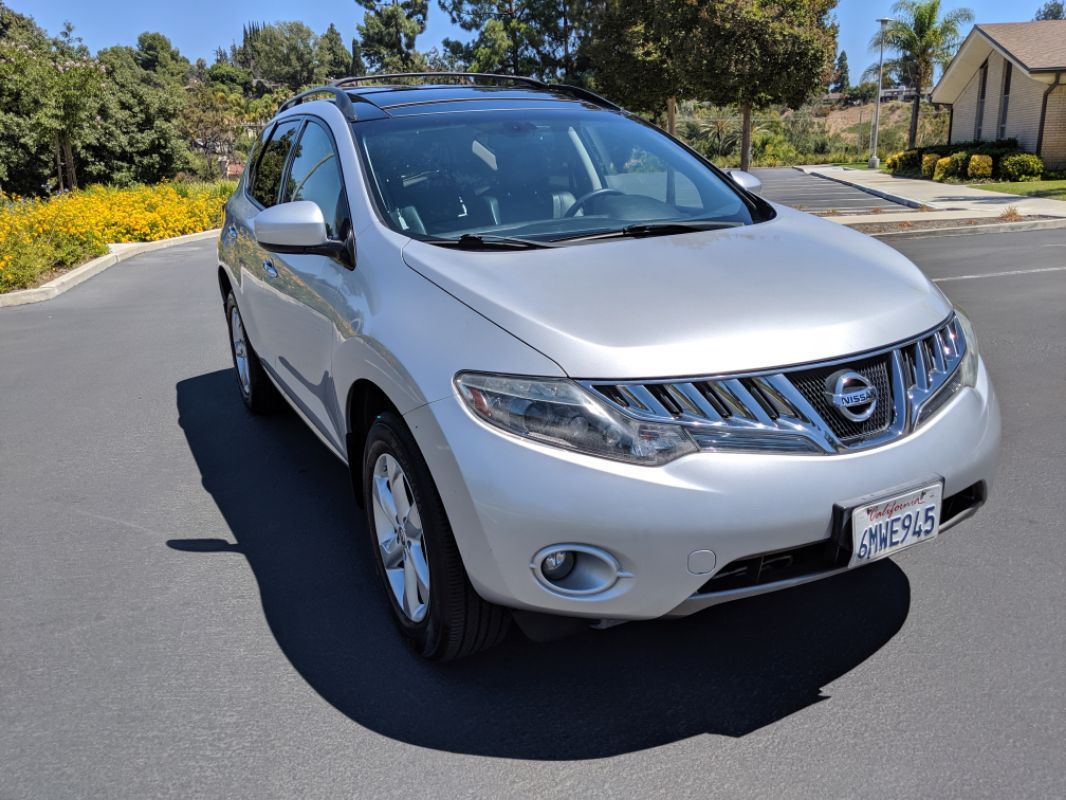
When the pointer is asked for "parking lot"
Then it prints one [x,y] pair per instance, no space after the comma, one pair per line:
[820,195]
[188,608]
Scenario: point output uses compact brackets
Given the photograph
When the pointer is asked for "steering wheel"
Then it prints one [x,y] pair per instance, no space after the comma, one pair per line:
[582,201]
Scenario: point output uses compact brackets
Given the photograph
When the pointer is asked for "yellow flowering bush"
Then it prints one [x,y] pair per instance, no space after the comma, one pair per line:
[37,235]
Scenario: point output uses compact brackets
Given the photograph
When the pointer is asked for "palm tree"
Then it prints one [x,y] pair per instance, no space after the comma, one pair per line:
[923,40]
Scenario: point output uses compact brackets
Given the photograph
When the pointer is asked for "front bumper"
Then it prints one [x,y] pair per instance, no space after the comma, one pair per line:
[508,498]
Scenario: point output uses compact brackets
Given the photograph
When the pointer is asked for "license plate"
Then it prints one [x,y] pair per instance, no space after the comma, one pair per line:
[894,523]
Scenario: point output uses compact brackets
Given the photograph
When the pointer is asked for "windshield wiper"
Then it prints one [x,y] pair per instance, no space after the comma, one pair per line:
[477,241]
[663,228]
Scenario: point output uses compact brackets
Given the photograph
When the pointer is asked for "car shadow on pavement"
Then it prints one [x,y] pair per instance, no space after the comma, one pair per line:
[728,671]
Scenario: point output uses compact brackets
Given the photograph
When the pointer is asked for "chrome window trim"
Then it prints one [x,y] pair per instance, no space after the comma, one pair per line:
[782,419]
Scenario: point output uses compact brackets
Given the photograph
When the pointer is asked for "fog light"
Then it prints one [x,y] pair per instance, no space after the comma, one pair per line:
[557,565]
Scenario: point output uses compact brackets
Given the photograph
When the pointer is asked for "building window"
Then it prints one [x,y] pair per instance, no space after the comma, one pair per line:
[1004,101]
[982,86]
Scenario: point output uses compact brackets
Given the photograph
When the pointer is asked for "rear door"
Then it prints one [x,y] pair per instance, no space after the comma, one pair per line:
[312,288]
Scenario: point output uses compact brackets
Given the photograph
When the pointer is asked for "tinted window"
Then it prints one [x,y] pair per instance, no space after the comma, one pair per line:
[548,174]
[315,175]
[267,176]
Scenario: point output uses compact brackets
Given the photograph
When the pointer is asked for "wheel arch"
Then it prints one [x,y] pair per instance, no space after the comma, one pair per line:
[366,400]
[225,286]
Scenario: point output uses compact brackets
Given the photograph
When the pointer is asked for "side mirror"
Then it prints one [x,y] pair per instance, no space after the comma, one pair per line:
[297,228]
[746,181]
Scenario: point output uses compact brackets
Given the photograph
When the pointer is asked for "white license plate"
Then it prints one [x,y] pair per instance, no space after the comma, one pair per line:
[893,523]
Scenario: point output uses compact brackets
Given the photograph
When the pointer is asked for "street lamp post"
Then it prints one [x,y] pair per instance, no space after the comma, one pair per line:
[875,162]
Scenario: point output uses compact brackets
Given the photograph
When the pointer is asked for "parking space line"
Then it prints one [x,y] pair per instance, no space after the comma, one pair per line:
[999,274]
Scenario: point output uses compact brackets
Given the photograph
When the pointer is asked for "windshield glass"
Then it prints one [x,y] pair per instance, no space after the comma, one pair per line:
[546,175]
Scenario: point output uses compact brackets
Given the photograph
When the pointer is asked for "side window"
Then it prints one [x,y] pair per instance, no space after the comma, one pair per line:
[267,177]
[315,175]
[253,157]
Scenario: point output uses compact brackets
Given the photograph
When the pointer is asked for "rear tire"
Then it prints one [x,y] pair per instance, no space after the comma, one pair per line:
[415,553]
[257,392]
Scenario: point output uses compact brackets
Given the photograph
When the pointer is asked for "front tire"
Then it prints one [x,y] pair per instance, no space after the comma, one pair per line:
[257,392]
[415,553]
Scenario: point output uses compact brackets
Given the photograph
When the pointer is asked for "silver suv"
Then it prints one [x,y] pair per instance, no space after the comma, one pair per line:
[576,370]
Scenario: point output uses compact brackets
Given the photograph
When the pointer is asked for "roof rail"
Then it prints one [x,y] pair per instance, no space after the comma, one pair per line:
[576,92]
[341,98]
[472,76]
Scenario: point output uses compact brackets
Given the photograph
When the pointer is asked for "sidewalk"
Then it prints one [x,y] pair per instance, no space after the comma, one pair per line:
[944,200]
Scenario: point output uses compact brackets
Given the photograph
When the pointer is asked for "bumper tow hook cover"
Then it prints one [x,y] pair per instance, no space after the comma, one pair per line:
[700,562]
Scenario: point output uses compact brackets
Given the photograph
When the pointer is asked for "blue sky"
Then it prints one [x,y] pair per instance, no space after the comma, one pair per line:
[197,27]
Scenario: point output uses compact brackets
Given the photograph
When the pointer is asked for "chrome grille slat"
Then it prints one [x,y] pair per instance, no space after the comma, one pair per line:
[643,399]
[748,404]
[780,410]
[695,400]
[921,367]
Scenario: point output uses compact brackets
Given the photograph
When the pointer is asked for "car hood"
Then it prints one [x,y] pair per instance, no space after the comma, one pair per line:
[791,290]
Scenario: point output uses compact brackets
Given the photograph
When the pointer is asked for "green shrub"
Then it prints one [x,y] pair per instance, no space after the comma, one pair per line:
[907,162]
[980,167]
[959,160]
[1021,167]
[929,164]
[942,169]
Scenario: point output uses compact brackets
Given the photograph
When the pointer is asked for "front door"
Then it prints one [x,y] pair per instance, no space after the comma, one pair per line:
[311,288]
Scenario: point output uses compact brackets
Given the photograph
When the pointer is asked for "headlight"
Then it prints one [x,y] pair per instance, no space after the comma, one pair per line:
[562,414]
[968,367]
[964,374]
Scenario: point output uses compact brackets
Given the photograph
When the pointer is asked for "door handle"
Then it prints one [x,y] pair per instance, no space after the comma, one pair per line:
[268,266]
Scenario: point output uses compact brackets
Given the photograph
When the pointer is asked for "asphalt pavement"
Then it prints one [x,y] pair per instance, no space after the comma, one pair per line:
[820,195]
[188,609]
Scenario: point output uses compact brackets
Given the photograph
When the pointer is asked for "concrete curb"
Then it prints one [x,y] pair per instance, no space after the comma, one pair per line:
[70,279]
[965,230]
[892,198]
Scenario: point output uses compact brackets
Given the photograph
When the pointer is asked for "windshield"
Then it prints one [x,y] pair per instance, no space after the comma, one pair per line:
[543,175]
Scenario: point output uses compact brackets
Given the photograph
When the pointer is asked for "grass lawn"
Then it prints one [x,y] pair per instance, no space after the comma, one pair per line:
[1055,190]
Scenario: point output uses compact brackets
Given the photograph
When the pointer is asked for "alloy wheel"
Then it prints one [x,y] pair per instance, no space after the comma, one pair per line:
[398,527]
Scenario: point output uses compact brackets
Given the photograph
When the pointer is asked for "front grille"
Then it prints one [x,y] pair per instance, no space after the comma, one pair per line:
[790,411]
[812,385]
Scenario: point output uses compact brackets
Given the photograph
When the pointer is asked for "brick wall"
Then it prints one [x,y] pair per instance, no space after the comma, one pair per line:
[1023,112]
[1054,150]
[993,92]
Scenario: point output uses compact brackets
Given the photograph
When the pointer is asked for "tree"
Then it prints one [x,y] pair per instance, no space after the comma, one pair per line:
[136,135]
[521,37]
[758,53]
[865,92]
[841,79]
[1053,9]
[889,80]
[157,55]
[332,57]
[68,99]
[634,55]
[212,121]
[285,54]
[388,33]
[27,150]
[923,40]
